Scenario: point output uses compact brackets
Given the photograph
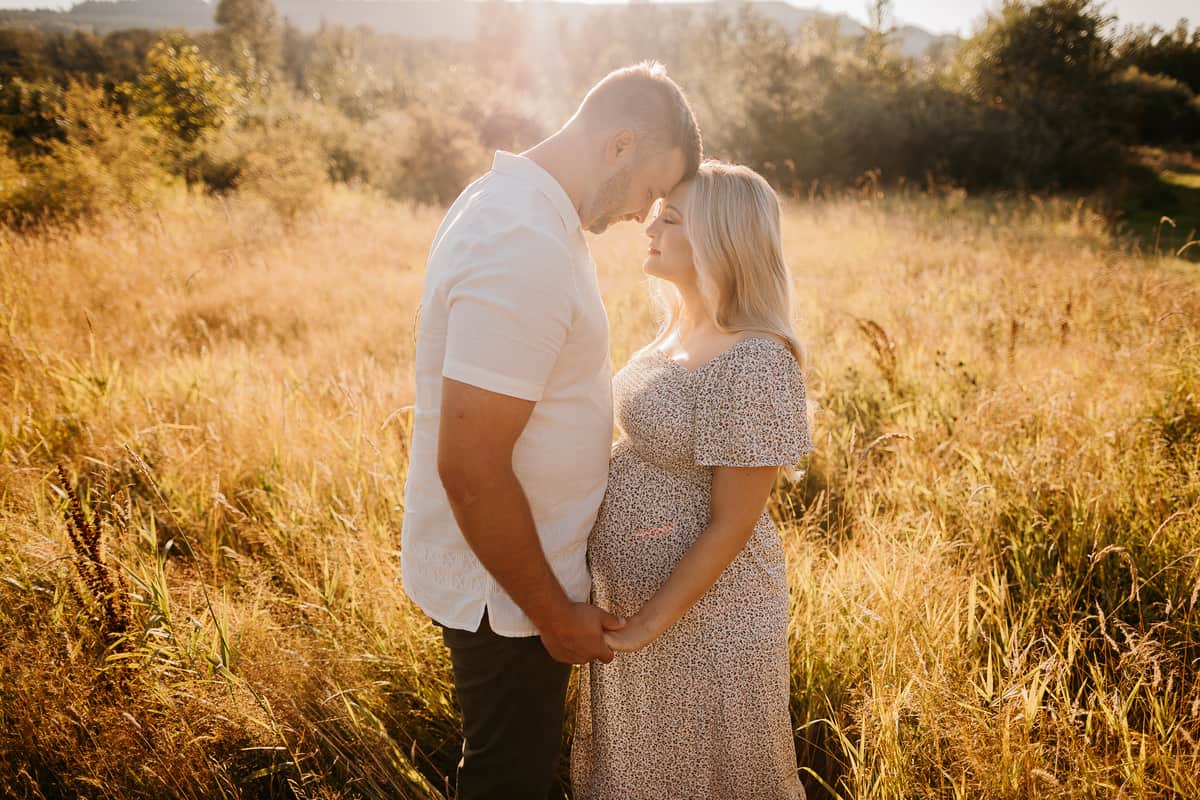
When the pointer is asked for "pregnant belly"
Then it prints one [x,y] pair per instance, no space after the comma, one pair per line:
[647,522]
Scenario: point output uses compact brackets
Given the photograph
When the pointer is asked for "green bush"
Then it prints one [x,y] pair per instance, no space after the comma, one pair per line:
[182,95]
[436,156]
[274,155]
[29,114]
[287,170]
[104,160]
[1050,65]
[1174,53]
[1160,110]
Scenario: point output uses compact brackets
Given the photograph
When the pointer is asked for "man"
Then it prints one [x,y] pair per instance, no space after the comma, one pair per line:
[513,419]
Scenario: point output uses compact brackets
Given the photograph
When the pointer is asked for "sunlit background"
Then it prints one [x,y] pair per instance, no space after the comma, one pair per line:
[937,16]
[213,231]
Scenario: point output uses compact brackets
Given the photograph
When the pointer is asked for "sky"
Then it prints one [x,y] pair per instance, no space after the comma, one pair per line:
[937,16]
[963,16]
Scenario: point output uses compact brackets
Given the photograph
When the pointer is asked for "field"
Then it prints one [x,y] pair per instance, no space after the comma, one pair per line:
[994,551]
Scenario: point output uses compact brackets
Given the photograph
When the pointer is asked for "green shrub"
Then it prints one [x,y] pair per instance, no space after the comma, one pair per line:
[437,155]
[103,160]
[1174,53]
[287,170]
[1050,65]
[274,155]
[182,95]
[1159,109]
[29,114]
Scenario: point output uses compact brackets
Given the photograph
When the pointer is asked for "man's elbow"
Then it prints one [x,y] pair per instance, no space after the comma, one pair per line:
[456,477]
[465,477]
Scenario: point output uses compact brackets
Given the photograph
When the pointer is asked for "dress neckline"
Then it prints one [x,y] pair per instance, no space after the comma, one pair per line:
[693,370]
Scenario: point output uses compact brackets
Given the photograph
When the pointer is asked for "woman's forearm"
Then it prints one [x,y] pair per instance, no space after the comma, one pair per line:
[713,551]
[739,495]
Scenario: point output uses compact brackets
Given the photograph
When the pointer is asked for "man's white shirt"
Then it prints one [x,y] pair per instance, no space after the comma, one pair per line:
[511,304]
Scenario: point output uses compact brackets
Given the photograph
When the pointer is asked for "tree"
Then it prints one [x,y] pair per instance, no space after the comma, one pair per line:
[1175,54]
[182,96]
[22,54]
[250,35]
[1041,54]
[1050,66]
[880,28]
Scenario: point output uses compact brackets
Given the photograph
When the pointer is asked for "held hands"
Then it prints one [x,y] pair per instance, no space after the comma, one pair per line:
[578,635]
[636,634]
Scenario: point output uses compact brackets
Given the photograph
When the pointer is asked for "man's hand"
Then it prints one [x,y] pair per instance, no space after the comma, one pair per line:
[577,636]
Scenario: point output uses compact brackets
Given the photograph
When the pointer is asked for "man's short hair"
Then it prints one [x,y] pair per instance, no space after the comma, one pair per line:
[643,98]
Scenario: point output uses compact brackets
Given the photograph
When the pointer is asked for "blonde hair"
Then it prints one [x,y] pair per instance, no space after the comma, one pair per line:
[643,97]
[733,225]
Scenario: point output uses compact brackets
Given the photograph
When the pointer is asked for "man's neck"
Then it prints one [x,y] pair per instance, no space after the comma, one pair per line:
[559,155]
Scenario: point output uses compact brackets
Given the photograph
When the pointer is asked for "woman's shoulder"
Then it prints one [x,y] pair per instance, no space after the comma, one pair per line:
[756,366]
[768,350]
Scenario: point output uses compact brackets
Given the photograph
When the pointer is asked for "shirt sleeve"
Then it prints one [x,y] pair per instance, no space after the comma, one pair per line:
[509,309]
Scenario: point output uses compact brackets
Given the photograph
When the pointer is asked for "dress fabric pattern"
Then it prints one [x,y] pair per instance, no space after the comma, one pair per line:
[701,712]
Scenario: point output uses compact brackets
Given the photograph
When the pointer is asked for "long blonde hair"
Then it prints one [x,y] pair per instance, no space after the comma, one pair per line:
[733,225]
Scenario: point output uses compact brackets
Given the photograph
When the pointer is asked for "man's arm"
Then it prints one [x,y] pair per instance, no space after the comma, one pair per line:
[478,432]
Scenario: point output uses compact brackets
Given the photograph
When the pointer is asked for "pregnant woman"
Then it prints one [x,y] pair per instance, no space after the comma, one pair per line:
[695,703]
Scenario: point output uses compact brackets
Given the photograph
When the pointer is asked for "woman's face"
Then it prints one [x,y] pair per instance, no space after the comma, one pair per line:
[669,255]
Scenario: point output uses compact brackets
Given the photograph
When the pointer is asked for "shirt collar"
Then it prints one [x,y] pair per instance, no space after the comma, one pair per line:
[530,171]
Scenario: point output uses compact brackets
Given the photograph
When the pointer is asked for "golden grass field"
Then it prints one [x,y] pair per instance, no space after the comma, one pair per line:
[994,553]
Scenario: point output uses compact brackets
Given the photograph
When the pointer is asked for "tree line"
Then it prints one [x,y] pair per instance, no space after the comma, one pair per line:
[1044,96]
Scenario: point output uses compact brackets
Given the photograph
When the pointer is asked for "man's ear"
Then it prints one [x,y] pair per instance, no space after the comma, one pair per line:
[621,144]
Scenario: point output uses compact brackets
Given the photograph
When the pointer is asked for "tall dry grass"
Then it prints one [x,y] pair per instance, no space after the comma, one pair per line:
[993,553]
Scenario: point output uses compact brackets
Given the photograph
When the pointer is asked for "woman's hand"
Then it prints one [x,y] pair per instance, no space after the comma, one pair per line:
[636,634]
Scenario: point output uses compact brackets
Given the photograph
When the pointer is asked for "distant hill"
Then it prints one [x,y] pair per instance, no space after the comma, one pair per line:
[426,19]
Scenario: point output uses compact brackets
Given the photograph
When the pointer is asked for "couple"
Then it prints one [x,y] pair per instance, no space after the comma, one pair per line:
[518,508]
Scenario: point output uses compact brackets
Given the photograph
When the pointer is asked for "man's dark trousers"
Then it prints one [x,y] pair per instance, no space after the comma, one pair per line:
[511,694]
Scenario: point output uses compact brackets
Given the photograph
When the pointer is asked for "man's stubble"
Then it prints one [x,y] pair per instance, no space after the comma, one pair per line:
[608,200]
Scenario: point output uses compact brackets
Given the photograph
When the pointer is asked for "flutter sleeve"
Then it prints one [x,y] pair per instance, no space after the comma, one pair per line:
[751,410]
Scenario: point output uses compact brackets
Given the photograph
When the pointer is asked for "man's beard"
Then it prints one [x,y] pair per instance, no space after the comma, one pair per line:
[610,196]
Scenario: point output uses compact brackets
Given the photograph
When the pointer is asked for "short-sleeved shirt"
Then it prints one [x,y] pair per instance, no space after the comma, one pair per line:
[511,304]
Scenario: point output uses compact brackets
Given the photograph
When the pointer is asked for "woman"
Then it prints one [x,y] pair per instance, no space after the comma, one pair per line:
[695,703]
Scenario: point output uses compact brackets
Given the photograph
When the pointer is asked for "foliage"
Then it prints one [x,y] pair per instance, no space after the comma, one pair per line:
[29,114]
[249,35]
[1174,53]
[1036,54]
[285,169]
[438,155]
[1042,97]
[102,160]
[1162,110]
[335,72]
[183,95]
[1050,65]
[275,156]
[33,55]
